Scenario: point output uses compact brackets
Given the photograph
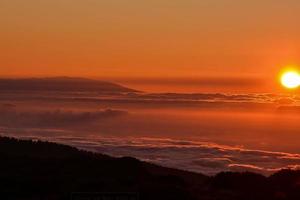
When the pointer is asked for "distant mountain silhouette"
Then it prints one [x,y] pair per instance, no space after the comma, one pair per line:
[61,84]
[43,170]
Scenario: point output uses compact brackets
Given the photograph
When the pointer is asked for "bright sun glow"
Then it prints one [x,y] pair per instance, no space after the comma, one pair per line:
[290,79]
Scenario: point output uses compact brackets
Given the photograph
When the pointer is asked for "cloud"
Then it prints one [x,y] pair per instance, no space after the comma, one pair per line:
[289,109]
[214,163]
[7,106]
[205,101]
[203,157]
[209,158]
[251,168]
[285,101]
[201,82]
[10,116]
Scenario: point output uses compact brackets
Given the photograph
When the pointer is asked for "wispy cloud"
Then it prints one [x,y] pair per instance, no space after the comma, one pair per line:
[199,81]
[12,117]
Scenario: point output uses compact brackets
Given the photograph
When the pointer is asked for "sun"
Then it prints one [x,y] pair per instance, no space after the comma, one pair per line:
[290,79]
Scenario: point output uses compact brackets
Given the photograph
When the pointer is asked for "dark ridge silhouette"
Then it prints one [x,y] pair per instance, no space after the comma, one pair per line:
[43,170]
[61,84]
[35,169]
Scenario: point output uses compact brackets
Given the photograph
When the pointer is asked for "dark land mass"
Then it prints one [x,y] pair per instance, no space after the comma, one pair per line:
[63,84]
[43,170]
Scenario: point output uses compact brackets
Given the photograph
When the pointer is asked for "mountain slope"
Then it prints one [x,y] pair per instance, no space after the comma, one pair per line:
[47,169]
[42,170]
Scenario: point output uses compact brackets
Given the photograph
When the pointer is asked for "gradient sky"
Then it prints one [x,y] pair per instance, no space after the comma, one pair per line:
[154,38]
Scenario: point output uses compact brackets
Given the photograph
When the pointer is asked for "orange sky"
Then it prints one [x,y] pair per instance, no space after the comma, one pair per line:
[148,39]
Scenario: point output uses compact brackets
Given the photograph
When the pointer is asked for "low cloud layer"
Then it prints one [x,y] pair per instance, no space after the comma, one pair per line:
[203,157]
[207,101]
[209,158]
[10,116]
[80,119]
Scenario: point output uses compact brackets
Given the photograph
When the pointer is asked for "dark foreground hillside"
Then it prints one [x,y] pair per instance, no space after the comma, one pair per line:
[41,170]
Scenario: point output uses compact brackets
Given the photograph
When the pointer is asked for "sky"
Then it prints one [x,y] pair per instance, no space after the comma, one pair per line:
[140,41]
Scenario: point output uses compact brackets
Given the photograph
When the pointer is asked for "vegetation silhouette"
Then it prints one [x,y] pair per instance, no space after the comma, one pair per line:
[44,170]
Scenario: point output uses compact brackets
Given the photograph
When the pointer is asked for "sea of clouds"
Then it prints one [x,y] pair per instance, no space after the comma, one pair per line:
[120,130]
[202,157]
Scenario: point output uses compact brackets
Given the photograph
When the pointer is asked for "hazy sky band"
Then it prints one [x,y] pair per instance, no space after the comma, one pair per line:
[148,38]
